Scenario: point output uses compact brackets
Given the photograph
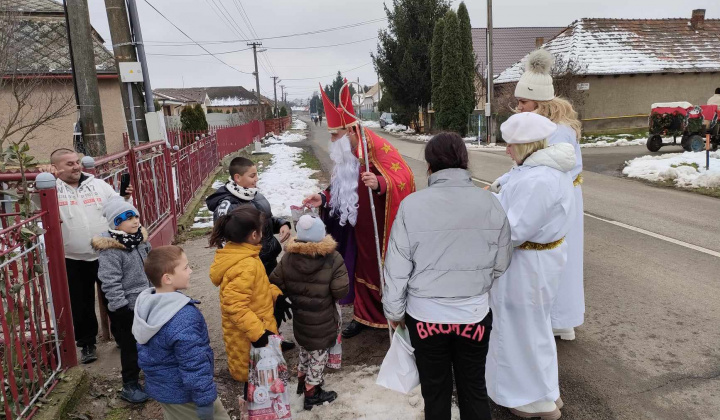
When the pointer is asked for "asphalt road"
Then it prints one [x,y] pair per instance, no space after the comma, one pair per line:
[650,345]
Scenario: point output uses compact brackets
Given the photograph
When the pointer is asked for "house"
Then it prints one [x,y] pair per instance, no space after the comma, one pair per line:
[371,99]
[172,101]
[623,66]
[230,98]
[41,48]
[509,46]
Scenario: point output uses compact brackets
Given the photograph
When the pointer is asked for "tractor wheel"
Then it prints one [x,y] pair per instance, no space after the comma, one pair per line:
[654,143]
[697,143]
[685,143]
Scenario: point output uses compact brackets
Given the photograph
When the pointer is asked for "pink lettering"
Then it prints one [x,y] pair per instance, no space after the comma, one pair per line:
[421,330]
[431,328]
[456,328]
[467,330]
[445,328]
[479,332]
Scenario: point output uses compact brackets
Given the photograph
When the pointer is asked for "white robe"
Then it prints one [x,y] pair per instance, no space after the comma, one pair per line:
[569,308]
[522,358]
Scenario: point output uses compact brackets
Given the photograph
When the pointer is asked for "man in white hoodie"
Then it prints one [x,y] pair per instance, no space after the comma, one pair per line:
[80,198]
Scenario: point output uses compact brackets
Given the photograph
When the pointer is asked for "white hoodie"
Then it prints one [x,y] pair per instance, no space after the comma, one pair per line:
[81,213]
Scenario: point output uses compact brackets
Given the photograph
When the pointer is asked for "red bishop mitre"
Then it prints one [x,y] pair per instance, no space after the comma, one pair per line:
[336,117]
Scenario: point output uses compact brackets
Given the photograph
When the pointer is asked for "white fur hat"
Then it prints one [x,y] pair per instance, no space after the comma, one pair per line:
[536,83]
[527,127]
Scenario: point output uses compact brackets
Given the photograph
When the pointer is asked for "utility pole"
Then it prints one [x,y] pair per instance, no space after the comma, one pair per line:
[275,113]
[124,51]
[282,96]
[257,75]
[490,139]
[137,32]
[85,77]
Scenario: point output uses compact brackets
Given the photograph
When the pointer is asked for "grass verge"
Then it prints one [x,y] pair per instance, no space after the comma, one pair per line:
[669,183]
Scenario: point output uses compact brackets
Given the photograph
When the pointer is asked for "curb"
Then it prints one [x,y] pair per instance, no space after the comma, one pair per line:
[65,395]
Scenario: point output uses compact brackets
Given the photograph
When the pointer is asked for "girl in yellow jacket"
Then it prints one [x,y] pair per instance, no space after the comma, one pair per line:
[246,296]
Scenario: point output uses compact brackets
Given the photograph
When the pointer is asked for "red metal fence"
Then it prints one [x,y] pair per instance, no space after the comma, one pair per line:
[37,338]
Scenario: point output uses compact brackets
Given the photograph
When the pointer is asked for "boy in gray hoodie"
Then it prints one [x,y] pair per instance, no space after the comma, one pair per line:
[121,253]
[173,342]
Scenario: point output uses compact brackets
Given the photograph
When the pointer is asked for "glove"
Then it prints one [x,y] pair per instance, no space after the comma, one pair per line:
[205,412]
[263,340]
[282,309]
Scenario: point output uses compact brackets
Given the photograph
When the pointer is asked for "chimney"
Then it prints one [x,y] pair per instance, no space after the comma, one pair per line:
[697,21]
[539,41]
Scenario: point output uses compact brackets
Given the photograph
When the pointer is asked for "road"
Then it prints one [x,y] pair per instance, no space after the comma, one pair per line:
[650,345]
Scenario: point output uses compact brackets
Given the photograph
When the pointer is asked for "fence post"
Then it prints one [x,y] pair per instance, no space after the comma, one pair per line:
[170,182]
[45,184]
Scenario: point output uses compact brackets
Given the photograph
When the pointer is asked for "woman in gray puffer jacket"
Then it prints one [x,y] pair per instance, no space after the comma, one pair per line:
[449,242]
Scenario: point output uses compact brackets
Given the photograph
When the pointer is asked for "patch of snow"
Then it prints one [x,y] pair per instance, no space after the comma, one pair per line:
[285,183]
[483,146]
[286,137]
[676,167]
[360,398]
[218,184]
[203,219]
[619,142]
[231,101]
[298,124]
[394,128]
[370,124]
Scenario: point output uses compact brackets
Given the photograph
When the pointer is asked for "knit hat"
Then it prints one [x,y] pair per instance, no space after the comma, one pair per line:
[536,83]
[310,229]
[114,208]
[526,127]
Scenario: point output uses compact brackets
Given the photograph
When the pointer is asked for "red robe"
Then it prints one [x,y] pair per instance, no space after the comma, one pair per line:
[396,181]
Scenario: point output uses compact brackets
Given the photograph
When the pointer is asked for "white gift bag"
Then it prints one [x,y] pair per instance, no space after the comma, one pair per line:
[399,371]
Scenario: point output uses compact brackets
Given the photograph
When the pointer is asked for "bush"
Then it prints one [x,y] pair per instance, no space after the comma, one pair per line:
[283,112]
[193,118]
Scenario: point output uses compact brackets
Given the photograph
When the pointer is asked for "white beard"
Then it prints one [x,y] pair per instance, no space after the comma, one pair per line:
[344,181]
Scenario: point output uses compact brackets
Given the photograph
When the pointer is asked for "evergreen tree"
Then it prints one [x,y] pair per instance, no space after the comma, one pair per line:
[436,62]
[283,112]
[202,124]
[451,115]
[467,57]
[192,118]
[403,56]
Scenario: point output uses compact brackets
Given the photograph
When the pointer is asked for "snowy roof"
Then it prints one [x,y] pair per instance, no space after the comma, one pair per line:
[231,101]
[40,41]
[220,92]
[632,46]
[192,95]
[509,44]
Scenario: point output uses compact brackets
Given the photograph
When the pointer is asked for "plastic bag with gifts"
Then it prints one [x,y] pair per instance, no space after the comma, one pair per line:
[399,370]
[298,211]
[268,395]
[335,352]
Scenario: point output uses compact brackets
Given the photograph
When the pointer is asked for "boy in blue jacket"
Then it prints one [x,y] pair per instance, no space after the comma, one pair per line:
[173,343]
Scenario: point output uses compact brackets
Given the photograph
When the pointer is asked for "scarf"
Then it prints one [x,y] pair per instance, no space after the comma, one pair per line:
[246,194]
[129,240]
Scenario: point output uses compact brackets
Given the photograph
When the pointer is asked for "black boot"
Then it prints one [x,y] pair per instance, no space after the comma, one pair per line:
[88,354]
[353,329]
[287,346]
[317,396]
[301,384]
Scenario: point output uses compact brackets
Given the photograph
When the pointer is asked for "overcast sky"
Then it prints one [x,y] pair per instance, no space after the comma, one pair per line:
[207,20]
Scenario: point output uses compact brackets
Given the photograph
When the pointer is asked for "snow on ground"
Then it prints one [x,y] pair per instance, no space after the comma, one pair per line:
[614,142]
[678,167]
[218,184]
[360,398]
[285,183]
[298,124]
[204,218]
[370,124]
[286,137]
[395,128]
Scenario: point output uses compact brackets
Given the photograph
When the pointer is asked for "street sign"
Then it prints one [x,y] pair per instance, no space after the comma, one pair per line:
[583,86]
[131,72]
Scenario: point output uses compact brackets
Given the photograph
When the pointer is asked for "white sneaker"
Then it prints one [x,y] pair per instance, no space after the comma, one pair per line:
[567,334]
[545,410]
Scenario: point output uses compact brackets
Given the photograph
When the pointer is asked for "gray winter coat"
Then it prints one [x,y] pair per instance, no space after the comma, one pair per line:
[451,239]
[122,272]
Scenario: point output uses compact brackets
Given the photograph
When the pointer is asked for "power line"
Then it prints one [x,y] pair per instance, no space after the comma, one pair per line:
[274,37]
[190,38]
[201,54]
[321,46]
[330,75]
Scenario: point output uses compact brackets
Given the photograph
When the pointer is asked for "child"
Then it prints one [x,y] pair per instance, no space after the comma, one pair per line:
[173,342]
[241,189]
[122,251]
[246,295]
[313,275]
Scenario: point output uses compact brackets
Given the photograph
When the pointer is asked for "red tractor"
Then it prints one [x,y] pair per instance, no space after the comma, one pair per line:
[682,119]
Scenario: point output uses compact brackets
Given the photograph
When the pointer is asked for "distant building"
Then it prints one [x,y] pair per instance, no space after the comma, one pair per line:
[371,99]
[626,65]
[43,53]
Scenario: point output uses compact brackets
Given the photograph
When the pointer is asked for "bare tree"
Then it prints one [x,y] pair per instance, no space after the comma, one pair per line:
[567,74]
[28,101]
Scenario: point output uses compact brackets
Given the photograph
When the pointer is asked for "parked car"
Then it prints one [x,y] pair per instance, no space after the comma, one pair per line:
[385,119]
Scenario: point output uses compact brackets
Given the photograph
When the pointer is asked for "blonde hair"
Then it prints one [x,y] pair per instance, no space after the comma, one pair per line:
[522,151]
[560,111]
